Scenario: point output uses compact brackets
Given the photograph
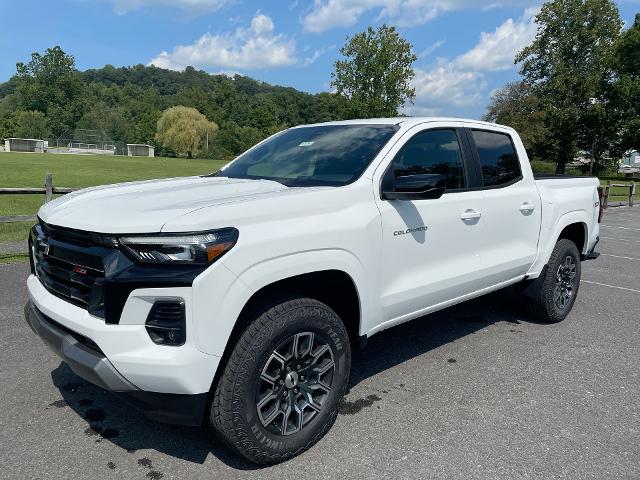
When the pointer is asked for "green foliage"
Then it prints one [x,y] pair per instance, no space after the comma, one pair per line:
[50,84]
[625,94]
[517,106]
[569,68]
[184,130]
[29,124]
[376,72]
[127,102]
[233,139]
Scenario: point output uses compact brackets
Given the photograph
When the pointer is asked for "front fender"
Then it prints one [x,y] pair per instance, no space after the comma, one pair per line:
[221,294]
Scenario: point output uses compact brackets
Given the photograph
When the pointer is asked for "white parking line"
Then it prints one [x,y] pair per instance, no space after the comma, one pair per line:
[622,228]
[621,239]
[619,256]
[610,286]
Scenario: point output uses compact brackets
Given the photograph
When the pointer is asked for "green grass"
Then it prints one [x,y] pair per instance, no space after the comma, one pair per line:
[29,170]
[13,258]
[12,232]
[621,194]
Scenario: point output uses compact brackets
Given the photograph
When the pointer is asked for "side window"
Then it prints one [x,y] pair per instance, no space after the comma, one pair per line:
[432,151]
[498,158]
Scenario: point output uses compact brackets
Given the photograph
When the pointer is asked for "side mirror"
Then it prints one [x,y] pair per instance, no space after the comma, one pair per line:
[414,187]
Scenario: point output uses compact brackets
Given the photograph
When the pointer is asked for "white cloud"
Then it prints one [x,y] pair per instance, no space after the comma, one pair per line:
[430,49]
[255,47]
[316,54]
[327,14]
[336,13]
[496,50]
[199,7]
[447,85]
[461,82]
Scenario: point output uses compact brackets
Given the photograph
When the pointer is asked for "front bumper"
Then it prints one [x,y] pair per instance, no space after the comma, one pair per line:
[87,361]
[82,355]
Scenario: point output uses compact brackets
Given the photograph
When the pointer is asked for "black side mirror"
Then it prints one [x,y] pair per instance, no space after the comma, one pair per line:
[414,187]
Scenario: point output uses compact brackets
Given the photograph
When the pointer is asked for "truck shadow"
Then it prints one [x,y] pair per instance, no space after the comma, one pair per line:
[108,419]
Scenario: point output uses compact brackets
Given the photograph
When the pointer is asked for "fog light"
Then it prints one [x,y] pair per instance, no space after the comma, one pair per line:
[166,324]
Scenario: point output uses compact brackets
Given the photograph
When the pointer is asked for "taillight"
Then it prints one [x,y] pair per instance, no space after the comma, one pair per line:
[601,198]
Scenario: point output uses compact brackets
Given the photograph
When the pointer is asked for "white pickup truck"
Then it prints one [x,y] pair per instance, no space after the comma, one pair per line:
[235,299]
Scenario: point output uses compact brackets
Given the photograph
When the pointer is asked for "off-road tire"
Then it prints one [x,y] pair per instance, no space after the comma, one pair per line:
[542,294]
[233,414]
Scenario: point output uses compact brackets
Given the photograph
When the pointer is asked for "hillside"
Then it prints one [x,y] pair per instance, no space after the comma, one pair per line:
[126,103]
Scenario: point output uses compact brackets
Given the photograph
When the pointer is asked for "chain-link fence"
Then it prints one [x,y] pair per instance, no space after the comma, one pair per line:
[93,142]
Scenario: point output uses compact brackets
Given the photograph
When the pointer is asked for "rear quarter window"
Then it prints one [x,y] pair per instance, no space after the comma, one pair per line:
[498,159]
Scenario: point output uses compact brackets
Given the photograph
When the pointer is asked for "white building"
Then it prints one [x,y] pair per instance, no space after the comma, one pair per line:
[632,158]
[24,145]
[140,150]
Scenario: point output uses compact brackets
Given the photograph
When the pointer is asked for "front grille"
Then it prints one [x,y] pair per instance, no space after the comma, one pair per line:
[68,268]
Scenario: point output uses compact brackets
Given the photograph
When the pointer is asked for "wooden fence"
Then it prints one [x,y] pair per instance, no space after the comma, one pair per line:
[609,186]
[48,191]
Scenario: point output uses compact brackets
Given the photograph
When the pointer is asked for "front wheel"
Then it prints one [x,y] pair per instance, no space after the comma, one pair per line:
[552,295]
[280,389]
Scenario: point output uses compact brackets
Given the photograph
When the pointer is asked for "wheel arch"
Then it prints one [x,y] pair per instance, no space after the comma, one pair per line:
[333,276]
[573,226]
[577,232]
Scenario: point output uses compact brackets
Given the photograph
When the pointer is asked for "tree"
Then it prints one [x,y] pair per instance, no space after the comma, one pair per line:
[184,130]
[375,75]
[569,67]
[625,96]
[30,124]
[50,84]
[127,102]
[517,106]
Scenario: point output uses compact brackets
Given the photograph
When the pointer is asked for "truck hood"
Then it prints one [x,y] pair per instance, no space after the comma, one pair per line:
[144,207]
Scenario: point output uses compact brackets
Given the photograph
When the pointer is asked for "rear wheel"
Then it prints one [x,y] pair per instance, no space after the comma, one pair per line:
[280,389]
[552,295]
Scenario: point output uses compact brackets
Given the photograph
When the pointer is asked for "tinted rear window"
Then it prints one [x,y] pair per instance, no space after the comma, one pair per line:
[498,158]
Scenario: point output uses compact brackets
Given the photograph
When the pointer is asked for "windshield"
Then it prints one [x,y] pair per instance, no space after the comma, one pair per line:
[333,155]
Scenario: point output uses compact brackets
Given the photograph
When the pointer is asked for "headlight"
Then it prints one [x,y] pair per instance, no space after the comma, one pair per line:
[181,248]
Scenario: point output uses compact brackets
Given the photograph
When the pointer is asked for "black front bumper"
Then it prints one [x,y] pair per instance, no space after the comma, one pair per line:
[87,361]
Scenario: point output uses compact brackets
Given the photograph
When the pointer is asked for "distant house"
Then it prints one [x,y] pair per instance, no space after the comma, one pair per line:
[631,158]
[24,145]
[140,150]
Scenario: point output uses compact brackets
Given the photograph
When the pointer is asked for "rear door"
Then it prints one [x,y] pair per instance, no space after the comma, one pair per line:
[509,204]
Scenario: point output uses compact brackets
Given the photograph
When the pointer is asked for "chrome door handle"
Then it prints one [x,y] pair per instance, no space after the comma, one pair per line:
[527,207]
[470,215]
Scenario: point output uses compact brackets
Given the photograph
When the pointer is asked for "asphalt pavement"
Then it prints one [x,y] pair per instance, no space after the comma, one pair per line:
[477,391]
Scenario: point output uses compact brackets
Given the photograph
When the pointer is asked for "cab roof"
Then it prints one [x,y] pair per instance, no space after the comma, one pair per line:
[405,121]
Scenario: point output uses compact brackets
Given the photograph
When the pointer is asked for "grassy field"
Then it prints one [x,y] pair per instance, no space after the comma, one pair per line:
[29,170]
[620,194]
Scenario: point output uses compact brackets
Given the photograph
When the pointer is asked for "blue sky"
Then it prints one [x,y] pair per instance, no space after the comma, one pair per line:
[465,47]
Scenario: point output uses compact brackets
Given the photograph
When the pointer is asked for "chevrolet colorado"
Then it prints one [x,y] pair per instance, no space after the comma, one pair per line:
[234,299]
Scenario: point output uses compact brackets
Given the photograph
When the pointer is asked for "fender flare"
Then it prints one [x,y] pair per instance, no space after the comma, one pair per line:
[213,335]
[549,238]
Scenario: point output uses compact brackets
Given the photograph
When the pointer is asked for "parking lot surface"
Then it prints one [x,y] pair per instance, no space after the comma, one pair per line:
[475,391]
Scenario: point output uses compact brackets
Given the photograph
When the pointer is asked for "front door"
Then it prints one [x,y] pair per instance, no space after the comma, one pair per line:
[438,250]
